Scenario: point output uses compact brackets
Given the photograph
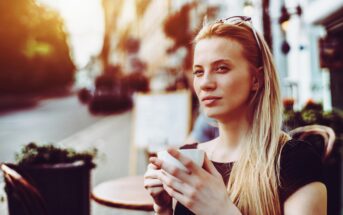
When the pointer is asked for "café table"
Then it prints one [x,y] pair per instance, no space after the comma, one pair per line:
[127,193]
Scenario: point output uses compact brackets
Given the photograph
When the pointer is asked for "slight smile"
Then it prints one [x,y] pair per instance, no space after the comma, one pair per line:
[210,100]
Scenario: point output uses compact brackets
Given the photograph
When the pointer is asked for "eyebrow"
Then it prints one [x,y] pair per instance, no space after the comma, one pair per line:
[217,62]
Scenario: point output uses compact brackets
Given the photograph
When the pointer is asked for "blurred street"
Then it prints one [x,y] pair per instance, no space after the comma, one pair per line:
[71,75]
[49,122]
[66,122]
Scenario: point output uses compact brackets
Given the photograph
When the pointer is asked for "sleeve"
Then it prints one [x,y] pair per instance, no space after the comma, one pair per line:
[300,164]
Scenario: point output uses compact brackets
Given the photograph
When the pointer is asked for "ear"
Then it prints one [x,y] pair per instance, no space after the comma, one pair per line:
[257,79]
[255,84]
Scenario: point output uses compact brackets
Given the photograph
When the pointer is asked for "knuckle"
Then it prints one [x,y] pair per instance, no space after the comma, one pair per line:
[152,193]
[192,194]
[189,203]
[189,164]
[171,193]
[169,182]
[174,172]
[199,185]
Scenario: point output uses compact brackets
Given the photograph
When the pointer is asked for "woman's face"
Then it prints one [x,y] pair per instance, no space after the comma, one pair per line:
[222,78]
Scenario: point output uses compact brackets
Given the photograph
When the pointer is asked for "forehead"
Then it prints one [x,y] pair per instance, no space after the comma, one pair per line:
[214,48]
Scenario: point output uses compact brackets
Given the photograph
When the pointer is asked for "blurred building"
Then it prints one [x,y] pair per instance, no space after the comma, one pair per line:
[308,50]
[305,37]
[327,15]
[307,46]
[146,23]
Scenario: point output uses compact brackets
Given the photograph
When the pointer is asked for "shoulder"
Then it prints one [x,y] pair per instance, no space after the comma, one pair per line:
[309,199]
[300,153]
[300,164]
[295,147]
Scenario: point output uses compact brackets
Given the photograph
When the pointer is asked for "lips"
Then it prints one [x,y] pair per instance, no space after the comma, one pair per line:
[210,100]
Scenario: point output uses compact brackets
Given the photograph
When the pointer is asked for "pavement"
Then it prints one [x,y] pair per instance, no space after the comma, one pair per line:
[111,135]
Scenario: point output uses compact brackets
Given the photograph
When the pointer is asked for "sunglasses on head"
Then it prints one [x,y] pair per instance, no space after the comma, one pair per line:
[237,20]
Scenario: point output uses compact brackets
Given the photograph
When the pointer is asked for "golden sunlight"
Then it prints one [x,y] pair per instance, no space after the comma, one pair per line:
[127,15]
[84,20]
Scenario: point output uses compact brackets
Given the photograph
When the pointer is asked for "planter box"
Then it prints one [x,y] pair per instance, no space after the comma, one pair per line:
[65,188]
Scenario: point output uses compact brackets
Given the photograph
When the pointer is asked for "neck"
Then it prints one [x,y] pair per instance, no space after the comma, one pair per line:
[232,133]
[233,129]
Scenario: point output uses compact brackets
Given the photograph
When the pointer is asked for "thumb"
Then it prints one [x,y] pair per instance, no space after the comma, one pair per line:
[209,167]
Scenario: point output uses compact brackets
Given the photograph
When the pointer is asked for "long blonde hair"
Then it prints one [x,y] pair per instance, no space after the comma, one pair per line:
[254,180]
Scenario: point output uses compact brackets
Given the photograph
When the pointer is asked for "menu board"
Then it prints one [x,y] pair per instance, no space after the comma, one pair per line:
[161,119]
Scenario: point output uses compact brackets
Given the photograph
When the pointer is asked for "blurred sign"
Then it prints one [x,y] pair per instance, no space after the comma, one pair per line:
[161,119]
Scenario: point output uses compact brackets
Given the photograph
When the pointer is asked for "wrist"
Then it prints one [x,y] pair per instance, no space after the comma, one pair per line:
[230,208]
[233,210]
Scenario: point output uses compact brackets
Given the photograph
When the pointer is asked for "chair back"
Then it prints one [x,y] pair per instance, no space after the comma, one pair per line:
[322,136]
[23,197]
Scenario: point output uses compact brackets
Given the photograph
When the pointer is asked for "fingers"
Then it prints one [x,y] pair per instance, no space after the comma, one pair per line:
[176,172]
[151,174]
[152,184]
[184,200]
[209,167]
[173,182]
[151,177]
[160,196]
[188,163]
[156,162]
[148,183]
[152,166]
[155,191]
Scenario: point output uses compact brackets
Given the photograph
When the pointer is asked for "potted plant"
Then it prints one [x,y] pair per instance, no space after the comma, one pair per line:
[61,176]
[312,113]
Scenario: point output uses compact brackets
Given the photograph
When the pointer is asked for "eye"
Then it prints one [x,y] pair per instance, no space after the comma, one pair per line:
[222,69]
[198,72]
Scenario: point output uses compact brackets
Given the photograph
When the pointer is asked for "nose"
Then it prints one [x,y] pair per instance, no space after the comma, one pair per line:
[208,82]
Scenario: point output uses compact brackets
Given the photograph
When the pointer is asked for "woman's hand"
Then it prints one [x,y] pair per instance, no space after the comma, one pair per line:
[162,201]
[201,190]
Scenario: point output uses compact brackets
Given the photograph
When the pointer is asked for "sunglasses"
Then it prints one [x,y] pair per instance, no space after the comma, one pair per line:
[237,20]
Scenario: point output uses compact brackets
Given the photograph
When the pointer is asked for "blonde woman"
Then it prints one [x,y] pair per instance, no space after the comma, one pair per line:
[252,167]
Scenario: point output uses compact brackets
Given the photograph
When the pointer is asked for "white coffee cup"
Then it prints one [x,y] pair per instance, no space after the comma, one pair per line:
[196,155]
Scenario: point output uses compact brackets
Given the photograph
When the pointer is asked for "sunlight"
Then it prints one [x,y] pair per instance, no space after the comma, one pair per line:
[84,24]
[127,15]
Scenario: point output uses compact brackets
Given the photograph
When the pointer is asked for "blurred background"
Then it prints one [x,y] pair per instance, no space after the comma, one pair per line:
[69,69]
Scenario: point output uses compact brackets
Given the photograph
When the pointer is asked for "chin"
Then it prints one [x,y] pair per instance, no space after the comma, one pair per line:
[214,114]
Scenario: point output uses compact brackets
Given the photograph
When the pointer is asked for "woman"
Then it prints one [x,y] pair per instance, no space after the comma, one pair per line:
[252,167]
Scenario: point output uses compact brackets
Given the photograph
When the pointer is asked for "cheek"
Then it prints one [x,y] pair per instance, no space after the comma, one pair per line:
[238,89]
[196,87]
